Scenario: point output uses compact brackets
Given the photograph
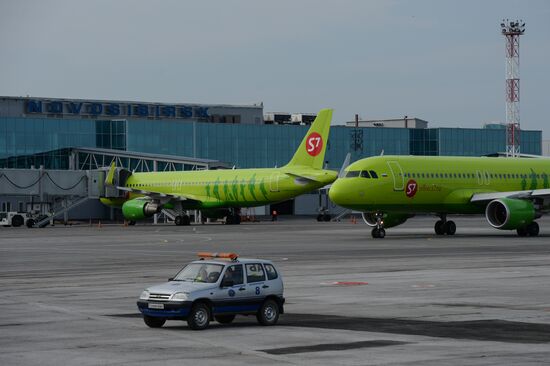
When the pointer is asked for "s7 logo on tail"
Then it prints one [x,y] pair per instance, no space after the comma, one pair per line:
[314,144]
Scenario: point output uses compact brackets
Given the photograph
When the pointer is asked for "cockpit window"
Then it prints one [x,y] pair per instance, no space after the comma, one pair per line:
[373,174]
[365,174]
[353,174]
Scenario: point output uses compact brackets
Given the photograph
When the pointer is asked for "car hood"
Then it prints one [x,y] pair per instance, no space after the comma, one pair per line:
[172,287]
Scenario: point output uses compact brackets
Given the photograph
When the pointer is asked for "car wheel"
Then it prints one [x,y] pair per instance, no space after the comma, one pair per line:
[131,223]
[30,223]
[268,313]
[17,221]
[326,218]
[185,220]
[224,319]
[320,217]
[153,322]
[199,317]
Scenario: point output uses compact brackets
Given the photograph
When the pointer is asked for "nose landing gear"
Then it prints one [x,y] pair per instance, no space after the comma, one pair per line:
[378,231]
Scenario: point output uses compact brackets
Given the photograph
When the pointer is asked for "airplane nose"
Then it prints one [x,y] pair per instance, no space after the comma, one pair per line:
[336,192]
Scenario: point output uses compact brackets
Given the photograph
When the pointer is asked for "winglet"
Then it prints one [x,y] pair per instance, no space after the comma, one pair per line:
[311,152]
[110,180]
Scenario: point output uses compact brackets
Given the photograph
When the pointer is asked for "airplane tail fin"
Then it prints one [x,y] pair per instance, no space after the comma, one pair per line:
[311,152]
[110,180]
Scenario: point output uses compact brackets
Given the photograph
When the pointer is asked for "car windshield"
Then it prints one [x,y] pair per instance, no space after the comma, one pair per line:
[200,272]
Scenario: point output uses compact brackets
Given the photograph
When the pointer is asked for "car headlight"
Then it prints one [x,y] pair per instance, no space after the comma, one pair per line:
[179,296]
[144,295]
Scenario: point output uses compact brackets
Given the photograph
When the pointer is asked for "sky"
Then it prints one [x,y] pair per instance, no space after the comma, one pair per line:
[442,61]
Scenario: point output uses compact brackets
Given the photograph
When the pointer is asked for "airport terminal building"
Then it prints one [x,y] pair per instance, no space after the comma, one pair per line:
[37,132]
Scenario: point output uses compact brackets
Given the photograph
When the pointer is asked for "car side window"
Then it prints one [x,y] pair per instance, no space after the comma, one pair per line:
[271,272]
[254,272]
[235,273]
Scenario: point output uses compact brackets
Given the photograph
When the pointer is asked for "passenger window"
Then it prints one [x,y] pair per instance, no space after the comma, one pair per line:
[373,174]
[254,273]
[364,174]
[352,174]
[271,272]
[234,273]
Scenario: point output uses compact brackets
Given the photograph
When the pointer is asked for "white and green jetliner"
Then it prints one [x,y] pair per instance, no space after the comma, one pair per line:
[221,193]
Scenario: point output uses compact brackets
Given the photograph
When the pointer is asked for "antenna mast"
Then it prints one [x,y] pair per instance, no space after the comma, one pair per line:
[511,30]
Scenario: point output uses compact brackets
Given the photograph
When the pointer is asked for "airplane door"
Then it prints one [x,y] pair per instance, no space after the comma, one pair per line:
[274,182]
[397,174]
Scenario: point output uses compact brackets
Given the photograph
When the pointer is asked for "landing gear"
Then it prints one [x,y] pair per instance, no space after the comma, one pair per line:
[323,217]
[233,217]
[530,230]
[182,220]
[443,226]
[378,231]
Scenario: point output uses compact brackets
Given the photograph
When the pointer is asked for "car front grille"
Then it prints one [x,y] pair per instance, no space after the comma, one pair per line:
[159,297]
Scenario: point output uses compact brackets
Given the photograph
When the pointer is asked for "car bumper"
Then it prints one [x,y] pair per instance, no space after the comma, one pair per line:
[170,309]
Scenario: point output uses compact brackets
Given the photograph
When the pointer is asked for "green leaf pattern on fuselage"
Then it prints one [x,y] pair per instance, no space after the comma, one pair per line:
[263,189]
[207,188]
[251,187]
[227,195]
[243,188]
[235,189]
[533,180]
[216,190]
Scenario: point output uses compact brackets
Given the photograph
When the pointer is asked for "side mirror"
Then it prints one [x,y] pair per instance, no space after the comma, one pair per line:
[226,282]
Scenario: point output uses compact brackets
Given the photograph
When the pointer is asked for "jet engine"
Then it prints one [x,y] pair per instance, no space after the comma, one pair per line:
[138,209]
[389,220]
[509,213]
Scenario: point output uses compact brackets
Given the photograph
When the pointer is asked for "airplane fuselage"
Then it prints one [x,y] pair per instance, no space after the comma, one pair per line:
[208,189]
[420,184]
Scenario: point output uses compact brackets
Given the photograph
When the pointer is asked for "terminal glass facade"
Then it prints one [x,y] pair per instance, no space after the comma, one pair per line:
[26,142]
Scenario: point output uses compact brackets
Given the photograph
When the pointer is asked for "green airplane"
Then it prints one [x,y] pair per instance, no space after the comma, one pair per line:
[222,193]
[511,192]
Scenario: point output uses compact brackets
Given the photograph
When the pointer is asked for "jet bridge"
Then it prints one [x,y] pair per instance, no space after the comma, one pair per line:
[51,193]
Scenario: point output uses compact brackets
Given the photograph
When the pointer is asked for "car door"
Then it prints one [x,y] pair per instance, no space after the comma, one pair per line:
[229,299]
[273,280]
[255,283]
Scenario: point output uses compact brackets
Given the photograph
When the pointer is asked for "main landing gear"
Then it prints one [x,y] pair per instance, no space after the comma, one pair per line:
[182,220]
[378,231]
[233,217]
[530,230]
[444,227]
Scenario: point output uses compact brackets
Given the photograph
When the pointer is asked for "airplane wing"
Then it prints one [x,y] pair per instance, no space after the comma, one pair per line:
[529,194]
[161,196]
[303,177]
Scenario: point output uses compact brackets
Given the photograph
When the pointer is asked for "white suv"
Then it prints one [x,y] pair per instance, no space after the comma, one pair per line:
[218,286]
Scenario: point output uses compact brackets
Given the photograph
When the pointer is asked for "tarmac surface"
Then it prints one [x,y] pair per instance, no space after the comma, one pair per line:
[480,297]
